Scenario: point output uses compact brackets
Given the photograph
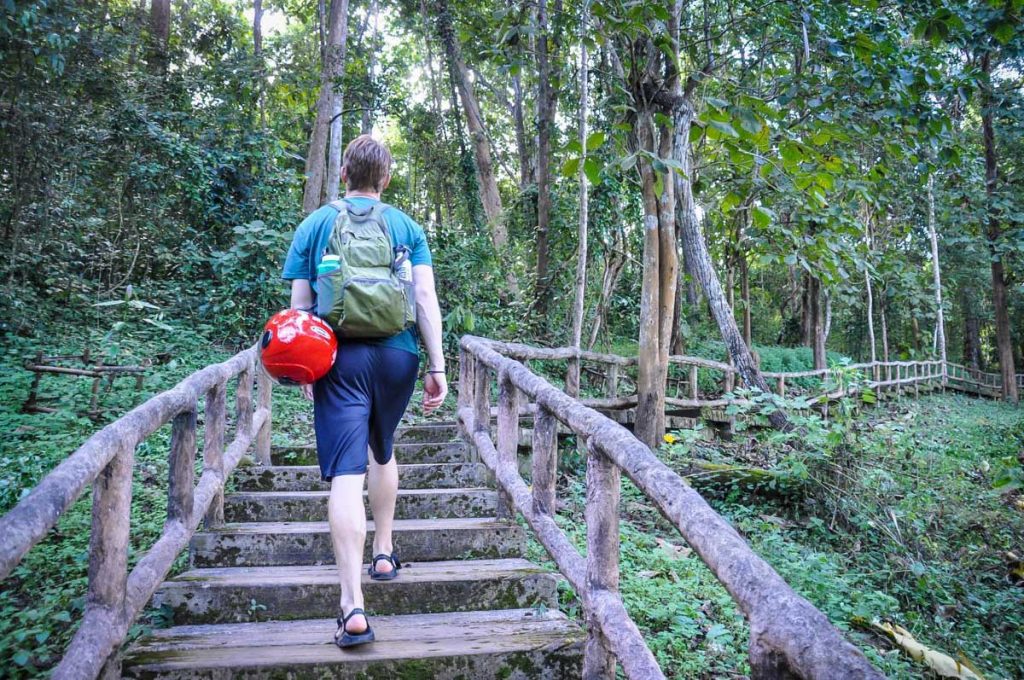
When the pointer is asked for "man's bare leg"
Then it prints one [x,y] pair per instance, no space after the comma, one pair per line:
[346,515]
[382,483]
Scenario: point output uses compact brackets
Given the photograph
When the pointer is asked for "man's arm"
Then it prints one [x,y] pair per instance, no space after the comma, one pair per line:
[302,298]
[302,294]
[428,319]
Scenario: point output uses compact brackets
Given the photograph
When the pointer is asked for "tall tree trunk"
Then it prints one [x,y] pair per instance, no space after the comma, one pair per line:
[489,196]
[972,329]
[814,319]
[572,379]
[334,151]
[545,119]
[614,262]
[160,33]
[332,68]
[522,148]
[697,254]
[371,69]
[940,325]
[652,371]
[1004,340]
[257,53]
[885,325]
[745,295]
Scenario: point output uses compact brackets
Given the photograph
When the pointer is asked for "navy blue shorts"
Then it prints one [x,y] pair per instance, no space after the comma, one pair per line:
[358,404]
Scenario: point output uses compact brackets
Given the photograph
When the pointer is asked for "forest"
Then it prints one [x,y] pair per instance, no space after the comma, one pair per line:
[783,186]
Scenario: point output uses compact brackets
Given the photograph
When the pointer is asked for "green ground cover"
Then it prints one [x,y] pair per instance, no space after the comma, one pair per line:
[900,522]
[912,530]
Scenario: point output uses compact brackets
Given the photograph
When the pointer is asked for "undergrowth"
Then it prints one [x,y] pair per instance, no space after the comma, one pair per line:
[906,513]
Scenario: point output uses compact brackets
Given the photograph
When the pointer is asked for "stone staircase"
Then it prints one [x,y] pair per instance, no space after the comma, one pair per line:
[261,596]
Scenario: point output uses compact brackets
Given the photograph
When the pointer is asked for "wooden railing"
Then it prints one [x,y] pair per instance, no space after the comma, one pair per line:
[789,637]
[116,597]
[786,631]
[608,374]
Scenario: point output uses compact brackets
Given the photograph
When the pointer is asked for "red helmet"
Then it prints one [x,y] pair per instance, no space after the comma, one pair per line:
[297,348]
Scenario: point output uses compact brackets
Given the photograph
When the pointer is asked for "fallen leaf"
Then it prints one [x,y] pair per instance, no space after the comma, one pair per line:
[673,551]
[940,663]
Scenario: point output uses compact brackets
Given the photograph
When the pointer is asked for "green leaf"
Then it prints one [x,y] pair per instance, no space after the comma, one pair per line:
[730,201]
[717,103]
[571,167]
[592,170]
[725,128]
[596,140]
[762,216]
[1004,32]
[21,657]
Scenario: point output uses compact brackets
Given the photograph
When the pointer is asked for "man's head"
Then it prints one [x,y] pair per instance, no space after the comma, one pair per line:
[366,165]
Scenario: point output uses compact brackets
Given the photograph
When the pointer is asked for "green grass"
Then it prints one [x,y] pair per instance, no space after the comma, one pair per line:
[928,467]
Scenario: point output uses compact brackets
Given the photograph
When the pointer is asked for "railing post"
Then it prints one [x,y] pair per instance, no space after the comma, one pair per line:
[482,396]
[694,392]
[264,399]
[545,461]
[508,436]
[602,520]
[108,542]
[781,386]
[181,468]
[243,401]
[611,386]
[213,448]
[917,380]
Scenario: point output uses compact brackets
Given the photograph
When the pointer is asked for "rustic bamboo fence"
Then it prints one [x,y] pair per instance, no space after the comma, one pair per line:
[115,596]
[789,637]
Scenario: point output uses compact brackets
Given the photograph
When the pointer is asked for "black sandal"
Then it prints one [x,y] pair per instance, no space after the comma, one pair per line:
[391,559]
[346,639]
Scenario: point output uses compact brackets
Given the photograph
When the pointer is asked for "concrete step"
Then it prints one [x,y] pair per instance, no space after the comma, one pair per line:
[417,452]
[517,644]
[311,506]
[411,476]
[267,544]
[238,594]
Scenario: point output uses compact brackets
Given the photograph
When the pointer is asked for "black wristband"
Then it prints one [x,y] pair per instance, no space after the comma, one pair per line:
[436,371]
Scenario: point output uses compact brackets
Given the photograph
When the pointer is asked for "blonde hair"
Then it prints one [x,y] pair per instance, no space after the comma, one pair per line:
[367,162]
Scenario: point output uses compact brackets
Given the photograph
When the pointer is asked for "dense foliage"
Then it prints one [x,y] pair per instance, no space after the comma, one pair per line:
[151,176]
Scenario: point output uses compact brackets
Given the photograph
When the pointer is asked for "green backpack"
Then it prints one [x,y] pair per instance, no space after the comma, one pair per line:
[366,291]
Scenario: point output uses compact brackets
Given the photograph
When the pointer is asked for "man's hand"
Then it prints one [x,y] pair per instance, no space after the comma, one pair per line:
[307,391]
[435,389]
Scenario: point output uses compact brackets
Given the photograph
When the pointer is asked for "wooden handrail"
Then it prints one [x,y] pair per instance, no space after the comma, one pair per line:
[878,375]
[116,597]
[788,635]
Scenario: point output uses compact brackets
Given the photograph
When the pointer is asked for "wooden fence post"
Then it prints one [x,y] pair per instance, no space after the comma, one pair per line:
[181,468]
[781,386]
[545,461]
[694,391]
[213,448]
[508,437]
[602,518]
[482,396]
[111,524]
[264,399]
[611,385]
[243,402]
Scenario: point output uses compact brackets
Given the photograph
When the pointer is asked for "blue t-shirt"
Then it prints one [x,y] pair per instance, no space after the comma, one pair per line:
[310,242]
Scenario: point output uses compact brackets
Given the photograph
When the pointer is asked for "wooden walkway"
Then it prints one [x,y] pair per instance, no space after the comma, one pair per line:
[260,594]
